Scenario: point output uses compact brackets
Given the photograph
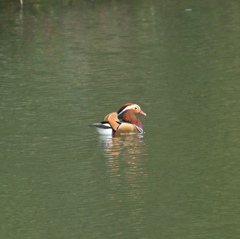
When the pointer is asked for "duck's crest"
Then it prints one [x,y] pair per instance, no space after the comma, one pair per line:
[123,107]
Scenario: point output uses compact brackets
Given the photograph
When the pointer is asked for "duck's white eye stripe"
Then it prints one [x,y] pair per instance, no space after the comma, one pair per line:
[130,107]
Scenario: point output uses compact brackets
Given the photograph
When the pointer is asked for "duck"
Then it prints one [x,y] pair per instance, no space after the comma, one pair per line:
[122,122]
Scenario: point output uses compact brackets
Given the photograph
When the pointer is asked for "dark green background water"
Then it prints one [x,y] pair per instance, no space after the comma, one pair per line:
[65,65]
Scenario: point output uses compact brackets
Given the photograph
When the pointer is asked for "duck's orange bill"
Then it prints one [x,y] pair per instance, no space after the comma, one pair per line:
[142,113]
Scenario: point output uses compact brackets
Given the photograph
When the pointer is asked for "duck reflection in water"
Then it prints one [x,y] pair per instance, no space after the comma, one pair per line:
[127,146]
[126,168]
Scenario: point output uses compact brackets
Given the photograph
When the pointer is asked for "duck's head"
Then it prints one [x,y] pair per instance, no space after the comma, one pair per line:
[130,107]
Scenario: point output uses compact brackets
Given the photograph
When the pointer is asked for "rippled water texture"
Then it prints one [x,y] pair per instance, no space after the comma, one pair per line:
[65,65]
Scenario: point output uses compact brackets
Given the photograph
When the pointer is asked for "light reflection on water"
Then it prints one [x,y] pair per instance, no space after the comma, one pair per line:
[126,168]
[128,145]
[125,157]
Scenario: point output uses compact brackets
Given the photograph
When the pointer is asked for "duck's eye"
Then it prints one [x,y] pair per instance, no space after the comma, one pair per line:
[136,108]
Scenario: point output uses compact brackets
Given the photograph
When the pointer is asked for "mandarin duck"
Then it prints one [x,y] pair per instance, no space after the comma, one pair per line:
[122,122]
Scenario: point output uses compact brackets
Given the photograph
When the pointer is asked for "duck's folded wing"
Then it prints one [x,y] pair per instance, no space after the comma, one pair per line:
[125,128]
[102,125]
[140,129]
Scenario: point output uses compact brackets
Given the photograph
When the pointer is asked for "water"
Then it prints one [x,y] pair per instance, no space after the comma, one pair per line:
[65,65]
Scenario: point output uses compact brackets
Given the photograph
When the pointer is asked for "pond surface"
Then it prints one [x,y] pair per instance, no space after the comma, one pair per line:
[65,65]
